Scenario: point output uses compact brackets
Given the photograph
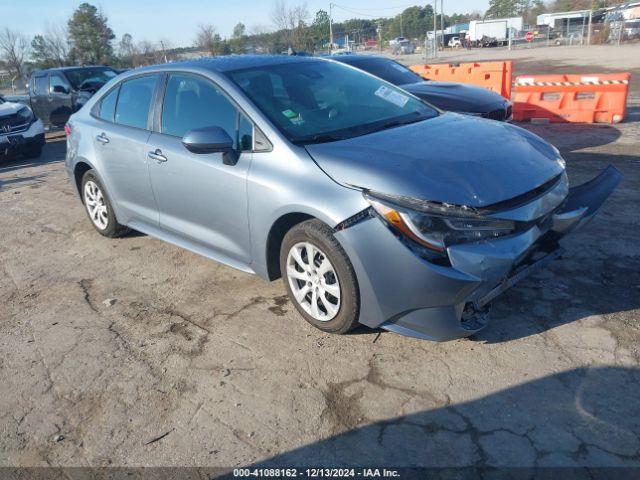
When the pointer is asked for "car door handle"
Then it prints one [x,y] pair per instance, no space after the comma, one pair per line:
[157,156]
[102,138]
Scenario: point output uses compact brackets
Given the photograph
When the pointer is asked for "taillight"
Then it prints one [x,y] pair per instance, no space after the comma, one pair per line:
[67,129]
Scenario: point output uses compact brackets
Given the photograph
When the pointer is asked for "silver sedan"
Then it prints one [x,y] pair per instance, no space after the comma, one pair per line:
[372,205]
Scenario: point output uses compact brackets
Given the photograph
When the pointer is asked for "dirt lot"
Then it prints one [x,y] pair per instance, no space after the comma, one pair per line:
[134,352]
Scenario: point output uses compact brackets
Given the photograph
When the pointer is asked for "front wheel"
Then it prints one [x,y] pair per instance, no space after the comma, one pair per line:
[98,206]
[319,277]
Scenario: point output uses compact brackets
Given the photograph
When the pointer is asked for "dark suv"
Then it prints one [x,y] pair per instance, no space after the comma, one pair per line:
[58,92]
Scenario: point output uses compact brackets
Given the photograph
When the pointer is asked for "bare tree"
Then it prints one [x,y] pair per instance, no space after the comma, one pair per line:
[206,38]
[148,53]
[280,15]
[14,48]
[57,38]
[261,38]
[291,21]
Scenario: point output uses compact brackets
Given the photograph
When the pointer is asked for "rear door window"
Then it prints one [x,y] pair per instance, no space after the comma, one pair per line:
[41,86]
[134,101]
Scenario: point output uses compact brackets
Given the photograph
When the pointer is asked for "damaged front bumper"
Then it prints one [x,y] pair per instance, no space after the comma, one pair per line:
[403,293]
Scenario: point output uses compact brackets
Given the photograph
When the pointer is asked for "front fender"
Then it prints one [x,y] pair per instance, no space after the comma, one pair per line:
[584,201]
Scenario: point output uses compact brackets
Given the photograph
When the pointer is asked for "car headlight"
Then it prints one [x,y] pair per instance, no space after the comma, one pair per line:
[559,158]
[435,226]
[25,114]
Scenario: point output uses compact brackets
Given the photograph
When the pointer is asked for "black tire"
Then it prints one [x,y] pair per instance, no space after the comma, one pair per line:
[113,228]
[321,236]
[32,151]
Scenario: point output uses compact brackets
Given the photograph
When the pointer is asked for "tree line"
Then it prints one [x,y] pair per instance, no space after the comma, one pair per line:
[87,38]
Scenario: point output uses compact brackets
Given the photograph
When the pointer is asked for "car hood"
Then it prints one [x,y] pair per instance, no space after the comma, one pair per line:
[457,97]
[450,158]
[10,108]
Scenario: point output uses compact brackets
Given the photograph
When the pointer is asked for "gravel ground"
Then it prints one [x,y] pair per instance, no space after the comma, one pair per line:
[132,352]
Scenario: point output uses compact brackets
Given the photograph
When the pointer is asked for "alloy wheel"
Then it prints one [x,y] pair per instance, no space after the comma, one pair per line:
[96,206]
[313,281]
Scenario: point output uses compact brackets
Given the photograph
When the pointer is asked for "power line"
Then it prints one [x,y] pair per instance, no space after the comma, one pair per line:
[380,8]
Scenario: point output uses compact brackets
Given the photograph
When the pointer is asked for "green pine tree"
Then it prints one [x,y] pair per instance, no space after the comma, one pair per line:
[90,36]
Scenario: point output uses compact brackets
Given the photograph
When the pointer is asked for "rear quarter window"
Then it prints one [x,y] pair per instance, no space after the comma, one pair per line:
[107,107]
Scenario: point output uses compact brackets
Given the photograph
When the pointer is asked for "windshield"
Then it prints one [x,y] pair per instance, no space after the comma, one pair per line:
[322,101]
[89,76]
[388,70]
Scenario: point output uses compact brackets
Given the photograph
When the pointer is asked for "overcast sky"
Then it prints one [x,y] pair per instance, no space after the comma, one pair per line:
[177,20]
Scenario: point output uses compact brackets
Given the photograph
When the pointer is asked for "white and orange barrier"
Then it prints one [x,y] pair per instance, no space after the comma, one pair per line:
[588,98]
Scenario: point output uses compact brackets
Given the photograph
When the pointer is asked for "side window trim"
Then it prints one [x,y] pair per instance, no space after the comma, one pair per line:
[158,103]
[158,106]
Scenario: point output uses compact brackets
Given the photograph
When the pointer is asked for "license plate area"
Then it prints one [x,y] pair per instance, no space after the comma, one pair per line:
[14,140]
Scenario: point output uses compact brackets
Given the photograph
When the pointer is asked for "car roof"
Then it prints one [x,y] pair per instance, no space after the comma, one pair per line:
[229,63]
[38,73]
[350,59]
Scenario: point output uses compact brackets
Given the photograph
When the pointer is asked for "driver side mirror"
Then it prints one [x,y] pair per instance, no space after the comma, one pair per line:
[211,140]
[60,89]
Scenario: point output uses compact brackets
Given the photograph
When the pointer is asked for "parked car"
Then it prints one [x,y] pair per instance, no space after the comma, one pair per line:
[372,205]
[488,42]
[58,92]
[20,132]
[455,97]
[455,42]
[396,41]
[403,47]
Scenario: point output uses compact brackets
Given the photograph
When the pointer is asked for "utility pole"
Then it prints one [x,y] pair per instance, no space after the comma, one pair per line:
[330,28]
[164,53]
[442,21]
[620,27]
[589,29]
[435,29]
[401,30]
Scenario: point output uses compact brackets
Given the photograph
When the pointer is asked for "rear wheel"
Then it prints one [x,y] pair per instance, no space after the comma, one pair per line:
[98,206]
[319,277]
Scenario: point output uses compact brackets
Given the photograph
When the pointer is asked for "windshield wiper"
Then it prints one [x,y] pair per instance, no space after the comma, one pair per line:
[398,122]
[320,138]
[359,130]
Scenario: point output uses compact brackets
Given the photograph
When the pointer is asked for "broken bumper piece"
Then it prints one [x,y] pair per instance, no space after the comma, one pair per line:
[403,293]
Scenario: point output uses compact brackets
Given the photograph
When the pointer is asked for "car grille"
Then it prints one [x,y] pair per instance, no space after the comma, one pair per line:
[500,114]
[12,124]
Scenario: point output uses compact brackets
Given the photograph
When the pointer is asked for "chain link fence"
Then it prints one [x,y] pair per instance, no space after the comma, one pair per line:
[604,33]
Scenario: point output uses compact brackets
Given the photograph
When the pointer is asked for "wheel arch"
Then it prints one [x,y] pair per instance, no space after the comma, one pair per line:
[79,169]
[276,234]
